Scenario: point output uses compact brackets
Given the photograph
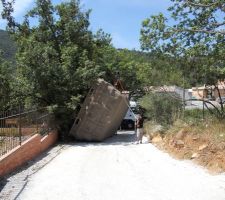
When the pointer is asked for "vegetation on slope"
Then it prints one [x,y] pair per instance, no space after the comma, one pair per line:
[7,46]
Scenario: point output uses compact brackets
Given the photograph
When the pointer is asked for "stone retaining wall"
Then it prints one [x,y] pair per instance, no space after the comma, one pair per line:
[27,151]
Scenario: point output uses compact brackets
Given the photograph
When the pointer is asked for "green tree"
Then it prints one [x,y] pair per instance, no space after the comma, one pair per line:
[56,58]
[7,46]
[160,69]
[194,36]
[6,78]
[127,64]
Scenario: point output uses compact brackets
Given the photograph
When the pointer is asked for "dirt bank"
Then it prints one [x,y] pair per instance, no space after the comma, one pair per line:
[203,146]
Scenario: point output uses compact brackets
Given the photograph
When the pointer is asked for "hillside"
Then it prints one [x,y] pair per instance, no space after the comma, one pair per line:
[7,46]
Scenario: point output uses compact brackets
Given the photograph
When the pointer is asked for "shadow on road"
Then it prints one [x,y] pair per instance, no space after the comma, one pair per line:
[124,138]
[22,174]
[20,177]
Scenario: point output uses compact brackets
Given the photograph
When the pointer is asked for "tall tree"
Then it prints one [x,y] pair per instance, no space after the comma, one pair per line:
[196,33]
[6,79]
[7,46]
[56,56]
[195,36]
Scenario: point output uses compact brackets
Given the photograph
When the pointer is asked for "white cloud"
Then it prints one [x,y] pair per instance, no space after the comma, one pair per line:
[20,8]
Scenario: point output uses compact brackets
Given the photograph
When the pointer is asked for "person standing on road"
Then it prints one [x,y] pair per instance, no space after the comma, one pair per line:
[139,128]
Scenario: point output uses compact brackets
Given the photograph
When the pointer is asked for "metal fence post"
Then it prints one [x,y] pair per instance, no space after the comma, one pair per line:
[20,129]
[36,121]
[203,109]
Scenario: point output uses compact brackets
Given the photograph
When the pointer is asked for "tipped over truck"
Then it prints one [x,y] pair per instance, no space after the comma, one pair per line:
[101,113]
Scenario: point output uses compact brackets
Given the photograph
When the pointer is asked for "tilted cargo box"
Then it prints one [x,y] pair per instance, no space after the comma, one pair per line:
[101,113]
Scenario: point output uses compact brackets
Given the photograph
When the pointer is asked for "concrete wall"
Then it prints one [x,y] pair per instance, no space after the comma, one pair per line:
[27,151]
[200,93]
[183,93]
[222,93]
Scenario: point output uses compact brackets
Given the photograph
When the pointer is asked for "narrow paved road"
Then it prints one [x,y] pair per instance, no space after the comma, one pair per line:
[119,169]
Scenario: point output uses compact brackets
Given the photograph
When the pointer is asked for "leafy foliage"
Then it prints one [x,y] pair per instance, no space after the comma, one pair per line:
[7,46]
[59,58]
[161,107]
[6,78]
[56,58]
[196,37]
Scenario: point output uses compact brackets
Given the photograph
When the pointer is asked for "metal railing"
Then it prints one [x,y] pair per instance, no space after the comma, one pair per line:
[18,125]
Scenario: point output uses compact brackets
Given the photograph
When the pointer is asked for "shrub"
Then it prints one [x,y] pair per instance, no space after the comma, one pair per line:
[161,107]
[195,117]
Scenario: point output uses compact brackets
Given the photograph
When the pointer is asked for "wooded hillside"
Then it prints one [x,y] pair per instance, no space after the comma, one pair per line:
[7,46]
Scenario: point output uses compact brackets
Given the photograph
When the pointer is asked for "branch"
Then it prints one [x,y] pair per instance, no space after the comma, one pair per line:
[209,32]
[171,94]
[217,24]
[218,114]
[222,32]
[221,102]
[205,102]
[202,5]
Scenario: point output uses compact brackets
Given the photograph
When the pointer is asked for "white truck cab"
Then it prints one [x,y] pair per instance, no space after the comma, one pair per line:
[129,119]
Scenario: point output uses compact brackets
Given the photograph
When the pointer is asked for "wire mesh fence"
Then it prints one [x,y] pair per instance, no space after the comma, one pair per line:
[18,125]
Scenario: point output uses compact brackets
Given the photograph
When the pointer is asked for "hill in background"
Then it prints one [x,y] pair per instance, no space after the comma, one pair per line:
[7,46]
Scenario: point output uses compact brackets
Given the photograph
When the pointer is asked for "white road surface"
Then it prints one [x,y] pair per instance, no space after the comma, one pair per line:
[121,170]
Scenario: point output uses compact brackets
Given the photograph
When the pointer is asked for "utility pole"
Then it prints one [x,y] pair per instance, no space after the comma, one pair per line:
[183,97]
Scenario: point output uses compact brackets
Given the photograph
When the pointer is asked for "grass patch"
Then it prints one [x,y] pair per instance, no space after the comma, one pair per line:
[9,132]
[193,122]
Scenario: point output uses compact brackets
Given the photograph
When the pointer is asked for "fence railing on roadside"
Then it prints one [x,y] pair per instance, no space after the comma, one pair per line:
[18,125]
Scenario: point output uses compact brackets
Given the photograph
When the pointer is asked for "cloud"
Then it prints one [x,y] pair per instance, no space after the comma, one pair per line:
[20,8]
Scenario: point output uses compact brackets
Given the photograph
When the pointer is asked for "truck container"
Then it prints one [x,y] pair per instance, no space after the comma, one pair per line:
[101,113]
[128,122]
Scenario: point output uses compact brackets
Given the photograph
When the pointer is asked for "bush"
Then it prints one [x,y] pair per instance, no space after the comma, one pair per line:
[195,116]
[161,107]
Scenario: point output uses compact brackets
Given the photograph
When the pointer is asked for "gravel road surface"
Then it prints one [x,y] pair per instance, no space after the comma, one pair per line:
[118,169]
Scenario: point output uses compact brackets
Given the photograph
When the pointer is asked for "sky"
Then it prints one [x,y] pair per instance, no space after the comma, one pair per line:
[120,18]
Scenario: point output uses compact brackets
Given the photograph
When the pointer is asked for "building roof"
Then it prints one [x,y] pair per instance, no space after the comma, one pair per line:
[164,88]
[221,87]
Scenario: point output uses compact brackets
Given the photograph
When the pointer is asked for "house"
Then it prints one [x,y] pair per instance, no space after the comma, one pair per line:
[174,91]
[200,92]
[208,91]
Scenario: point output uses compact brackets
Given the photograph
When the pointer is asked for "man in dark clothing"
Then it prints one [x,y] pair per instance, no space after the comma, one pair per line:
[139,127]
